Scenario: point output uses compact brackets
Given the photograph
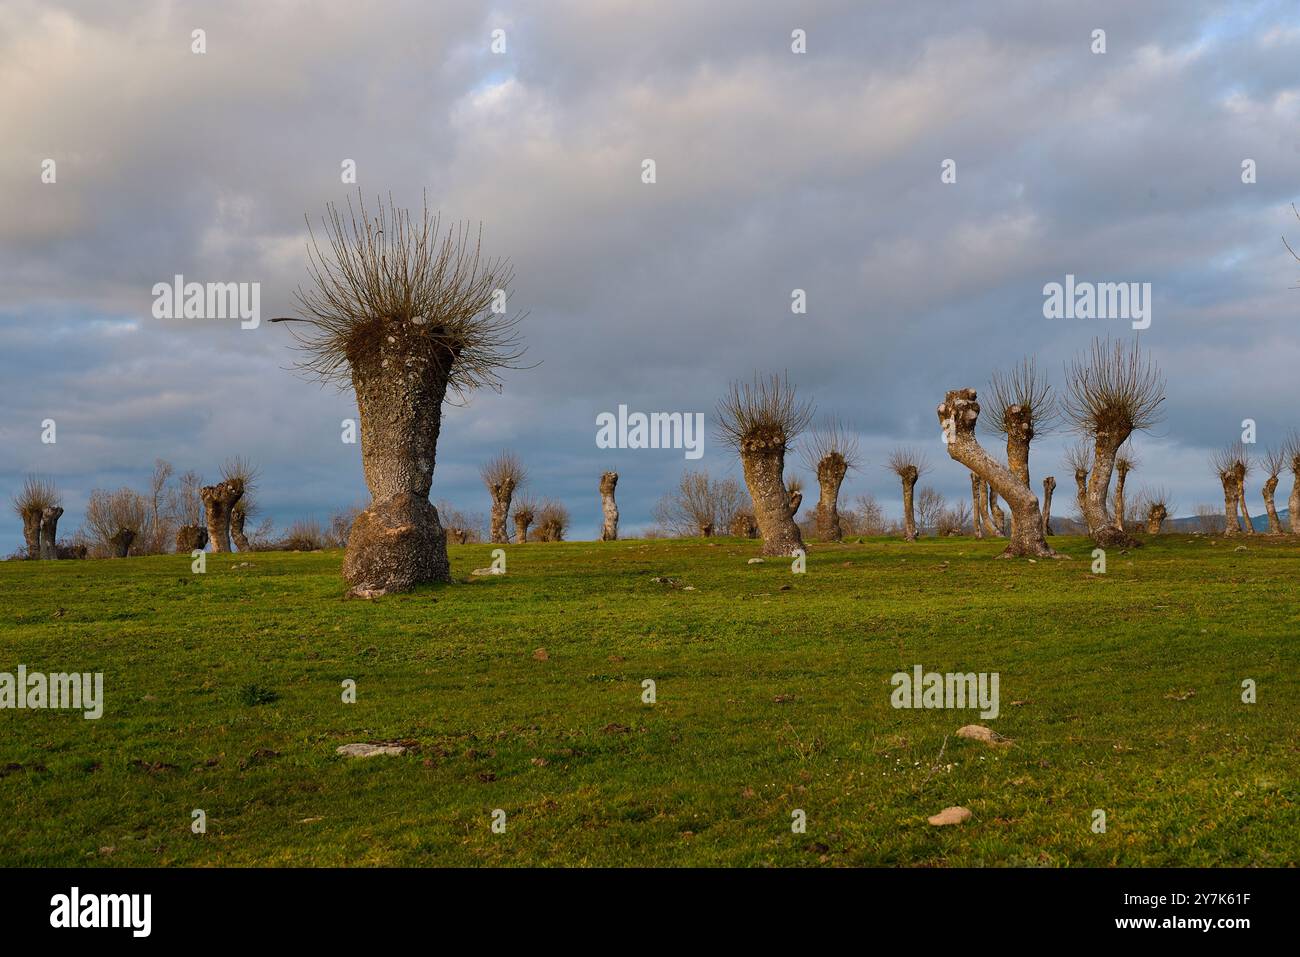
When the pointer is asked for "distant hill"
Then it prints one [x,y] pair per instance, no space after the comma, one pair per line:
[1193,524]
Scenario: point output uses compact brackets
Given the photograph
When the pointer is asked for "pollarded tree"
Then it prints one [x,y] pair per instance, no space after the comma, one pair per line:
[699,505]
[958,416]
[1228,464]
[502,475]
[608,507]
[1293,463]
[1125,462]
[978,517]
[830,453]
[1155,505]
[219,503]
[794,487]
[37,505]
[241,472]
[1049,486]
[552,521]
[1243,468]
[761,420]
[909,465]
[1112,391]
[1020,407]
[1274,462]
[405,314]
[116,519]
[525,510]
[1078,459]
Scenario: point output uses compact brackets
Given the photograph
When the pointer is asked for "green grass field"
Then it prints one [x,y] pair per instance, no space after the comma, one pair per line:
[1120,692]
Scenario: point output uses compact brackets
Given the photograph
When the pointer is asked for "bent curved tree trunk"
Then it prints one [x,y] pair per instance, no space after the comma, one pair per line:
[1274,522]
[1101,526]
[909,476]
[608,507]
[830,476]
[1155,518]
[977,505]
[502,493]
[121,542]
[1049,486]
[49,532]
[958,415]
[218,506]
[32,531]
[763,464]
[521,528]
[397,542]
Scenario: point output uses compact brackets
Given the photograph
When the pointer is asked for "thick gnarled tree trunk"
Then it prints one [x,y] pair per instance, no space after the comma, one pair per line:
[521,527]
[1229,481]
[763,464]
[397,542]
[958,415]
[1274,521]
[502,492]
[1101,526]
[218,507]
[830,476]
[1156,516]
[50,532]
[32,531]
[608,507]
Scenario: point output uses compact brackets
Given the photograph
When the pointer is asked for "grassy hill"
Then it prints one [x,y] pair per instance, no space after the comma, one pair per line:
[1119,692]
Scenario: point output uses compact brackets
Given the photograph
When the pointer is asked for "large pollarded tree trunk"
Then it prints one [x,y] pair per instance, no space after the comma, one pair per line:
[958,415]
[763,464]
[1049,486]
[521,527]
[909,476]
[397,542]
[31,518]
[1274,521]
[831,470]
[218,507]
[501,495]
[50,531]
[1102,526]
[1293,505]
[976,505]
[1229,480]
[1156,516]
[608,507]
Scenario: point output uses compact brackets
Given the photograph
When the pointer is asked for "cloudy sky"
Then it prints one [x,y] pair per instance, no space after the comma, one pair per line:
[775,171]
